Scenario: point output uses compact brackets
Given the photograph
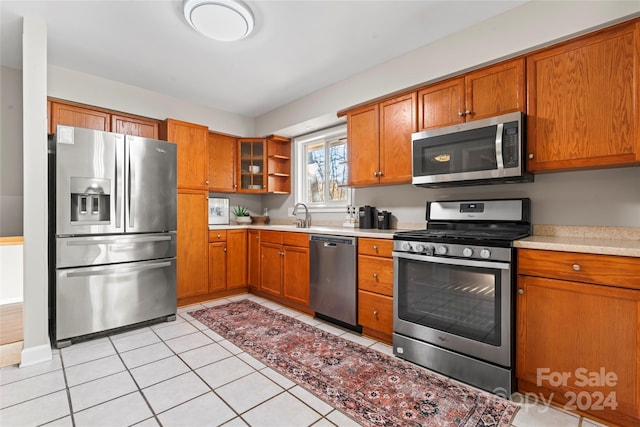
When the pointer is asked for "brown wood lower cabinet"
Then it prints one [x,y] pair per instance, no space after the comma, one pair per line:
[375,287]
[284,271]
[253,262]
[192,245]
[227,260]
[578,337]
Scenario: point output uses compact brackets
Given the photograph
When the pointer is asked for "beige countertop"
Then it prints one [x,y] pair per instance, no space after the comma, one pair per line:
[315,229]
[621,241]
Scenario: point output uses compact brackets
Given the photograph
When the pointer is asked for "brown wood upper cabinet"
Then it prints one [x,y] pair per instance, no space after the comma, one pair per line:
[584,101]
[379,135]
[222,162]
[193,168]
[85,116]
[134,126]
[78,116]
[264,165]
[490,91]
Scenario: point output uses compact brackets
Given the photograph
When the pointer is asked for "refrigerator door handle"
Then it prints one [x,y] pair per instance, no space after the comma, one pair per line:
[121,240]
[131,178]
[106,271]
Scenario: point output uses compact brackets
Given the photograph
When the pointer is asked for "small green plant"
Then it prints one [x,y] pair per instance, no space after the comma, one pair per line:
[241,211]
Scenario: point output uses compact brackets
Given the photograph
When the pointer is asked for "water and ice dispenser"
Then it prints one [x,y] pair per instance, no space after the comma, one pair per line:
[90,200]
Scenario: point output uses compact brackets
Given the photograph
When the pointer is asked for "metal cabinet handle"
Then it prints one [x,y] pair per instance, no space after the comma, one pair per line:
[218,236]
[375,248]
[380,173]
[520,291]
[576,267]
[225,249]
[375,173]
[375,313]
[257,237]
[467,112]
[531,155]
[375,275]
[460,114]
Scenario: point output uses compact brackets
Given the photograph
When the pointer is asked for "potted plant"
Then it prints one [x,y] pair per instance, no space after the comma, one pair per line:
[242,215]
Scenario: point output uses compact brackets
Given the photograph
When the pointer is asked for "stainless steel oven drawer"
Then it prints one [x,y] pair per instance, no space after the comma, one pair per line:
[96,299]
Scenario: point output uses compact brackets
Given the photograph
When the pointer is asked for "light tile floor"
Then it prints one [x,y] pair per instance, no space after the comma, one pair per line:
[183,374]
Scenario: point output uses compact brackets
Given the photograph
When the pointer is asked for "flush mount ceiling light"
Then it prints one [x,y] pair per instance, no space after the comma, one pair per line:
[224,20]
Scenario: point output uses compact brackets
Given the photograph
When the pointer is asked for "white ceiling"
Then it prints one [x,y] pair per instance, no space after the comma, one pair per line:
[298,46]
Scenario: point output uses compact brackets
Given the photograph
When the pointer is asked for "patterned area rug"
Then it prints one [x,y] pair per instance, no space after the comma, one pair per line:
[371,387]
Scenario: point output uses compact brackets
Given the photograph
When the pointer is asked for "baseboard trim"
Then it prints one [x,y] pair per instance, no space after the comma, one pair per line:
[32,355]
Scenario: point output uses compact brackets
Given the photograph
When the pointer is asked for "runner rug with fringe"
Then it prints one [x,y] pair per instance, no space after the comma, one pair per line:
[373,388]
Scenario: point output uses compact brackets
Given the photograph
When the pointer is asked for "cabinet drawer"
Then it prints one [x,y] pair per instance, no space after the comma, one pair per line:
[217,235]
[375,274]
[375,311]
[376,247]
[271,236]
[295,239]
[599,269]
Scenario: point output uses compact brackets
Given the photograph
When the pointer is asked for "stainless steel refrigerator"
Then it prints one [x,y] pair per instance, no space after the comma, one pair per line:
[112,227]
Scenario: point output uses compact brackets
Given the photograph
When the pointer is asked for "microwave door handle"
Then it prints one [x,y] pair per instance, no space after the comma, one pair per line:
[499,159]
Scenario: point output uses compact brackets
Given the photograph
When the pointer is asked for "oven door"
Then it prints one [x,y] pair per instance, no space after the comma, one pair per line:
[458,304]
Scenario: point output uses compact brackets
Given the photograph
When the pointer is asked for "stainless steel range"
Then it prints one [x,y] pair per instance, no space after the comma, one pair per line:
[454,290]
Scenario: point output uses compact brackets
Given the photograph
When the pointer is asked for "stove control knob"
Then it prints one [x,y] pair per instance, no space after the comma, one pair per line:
[467,252]
[420,247]
[442,250]
[406,246]
[485,253]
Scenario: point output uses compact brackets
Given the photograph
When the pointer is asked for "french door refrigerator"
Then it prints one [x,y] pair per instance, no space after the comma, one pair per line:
[112,228]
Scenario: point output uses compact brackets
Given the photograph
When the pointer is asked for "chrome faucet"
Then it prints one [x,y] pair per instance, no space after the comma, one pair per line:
[302,223]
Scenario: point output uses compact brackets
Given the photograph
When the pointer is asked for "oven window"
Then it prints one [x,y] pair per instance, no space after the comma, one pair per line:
[460,300]
[467,151]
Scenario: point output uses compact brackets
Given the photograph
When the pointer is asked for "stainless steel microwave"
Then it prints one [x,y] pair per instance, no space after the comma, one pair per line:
[487,151]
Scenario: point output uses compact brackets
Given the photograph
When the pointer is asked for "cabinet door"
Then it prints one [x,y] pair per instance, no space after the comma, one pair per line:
[251,166]
[236,259]
[253,267]
[193,169]
[295,283]
[398,120]
[495,90]
[441,104]
[583,102]
[363,147]
[217,266]
[134,126]
[222,162]
[71,115]
[192,244]
[271,268]
[564,326]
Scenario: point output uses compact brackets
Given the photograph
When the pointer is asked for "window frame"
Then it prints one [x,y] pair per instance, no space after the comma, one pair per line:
[325,136]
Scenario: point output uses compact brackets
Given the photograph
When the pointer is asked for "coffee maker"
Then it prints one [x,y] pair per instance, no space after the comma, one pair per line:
[367,215]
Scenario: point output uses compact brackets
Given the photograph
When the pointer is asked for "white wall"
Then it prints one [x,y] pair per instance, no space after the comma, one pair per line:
[11,274]
[36,305]
[75,86]
[10,152]
[533,24]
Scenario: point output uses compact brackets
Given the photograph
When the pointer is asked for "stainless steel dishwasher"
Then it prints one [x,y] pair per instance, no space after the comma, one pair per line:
[333,286]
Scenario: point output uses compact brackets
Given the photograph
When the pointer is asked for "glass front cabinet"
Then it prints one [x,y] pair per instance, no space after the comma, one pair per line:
[264,165]
[251,165]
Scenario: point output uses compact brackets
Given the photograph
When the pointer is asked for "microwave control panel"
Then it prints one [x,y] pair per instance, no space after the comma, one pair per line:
[510,144]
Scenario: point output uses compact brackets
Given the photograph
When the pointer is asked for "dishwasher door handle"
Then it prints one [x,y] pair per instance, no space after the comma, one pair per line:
[330,245]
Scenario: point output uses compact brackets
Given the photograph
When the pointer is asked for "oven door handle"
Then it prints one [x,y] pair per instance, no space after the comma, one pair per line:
[453,261]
